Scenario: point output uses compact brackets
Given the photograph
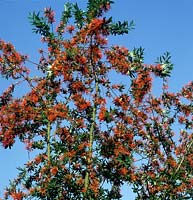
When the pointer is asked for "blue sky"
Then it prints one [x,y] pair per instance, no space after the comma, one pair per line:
[161,26]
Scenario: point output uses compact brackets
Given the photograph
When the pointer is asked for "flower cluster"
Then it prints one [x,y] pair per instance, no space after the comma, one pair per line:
[88,126]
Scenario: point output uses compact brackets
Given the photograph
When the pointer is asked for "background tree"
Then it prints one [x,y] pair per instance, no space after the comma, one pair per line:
[94,134]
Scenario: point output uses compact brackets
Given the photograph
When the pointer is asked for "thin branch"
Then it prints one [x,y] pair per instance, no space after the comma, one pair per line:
[86,185]
[183,157]
[48,140]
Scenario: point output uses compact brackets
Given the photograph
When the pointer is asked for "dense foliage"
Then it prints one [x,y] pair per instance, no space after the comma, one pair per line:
[92,132]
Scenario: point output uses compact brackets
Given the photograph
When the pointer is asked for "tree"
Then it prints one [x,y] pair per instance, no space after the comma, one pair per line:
[94,134]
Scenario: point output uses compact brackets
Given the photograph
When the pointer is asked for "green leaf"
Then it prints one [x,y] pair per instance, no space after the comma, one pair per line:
[119,28]
[165,62]
[67,13]
[38,144]
[40,25]
[138,55]
[94,8]
[79,16]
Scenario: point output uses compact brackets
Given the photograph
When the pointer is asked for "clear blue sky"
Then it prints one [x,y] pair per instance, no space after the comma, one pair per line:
[165,25]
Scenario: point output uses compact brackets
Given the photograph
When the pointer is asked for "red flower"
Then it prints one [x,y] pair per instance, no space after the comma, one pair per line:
[49,13]
[123,171]
[54,170]
[102,113]
[70,29]
[17,195]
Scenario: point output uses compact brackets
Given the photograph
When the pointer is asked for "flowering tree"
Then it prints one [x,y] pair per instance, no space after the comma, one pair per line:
[93,134]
